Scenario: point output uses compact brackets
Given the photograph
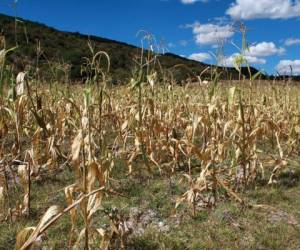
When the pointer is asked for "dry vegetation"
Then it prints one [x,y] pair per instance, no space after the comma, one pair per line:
[75,160]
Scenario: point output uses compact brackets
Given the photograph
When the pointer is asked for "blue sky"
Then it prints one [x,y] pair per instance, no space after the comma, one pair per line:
[191,28]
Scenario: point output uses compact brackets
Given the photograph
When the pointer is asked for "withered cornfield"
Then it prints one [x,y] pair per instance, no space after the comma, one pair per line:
[215,142]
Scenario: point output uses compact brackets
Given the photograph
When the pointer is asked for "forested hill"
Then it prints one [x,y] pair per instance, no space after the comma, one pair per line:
[51,49]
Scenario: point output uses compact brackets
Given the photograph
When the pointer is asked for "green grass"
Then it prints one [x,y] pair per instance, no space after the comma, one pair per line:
[228,226]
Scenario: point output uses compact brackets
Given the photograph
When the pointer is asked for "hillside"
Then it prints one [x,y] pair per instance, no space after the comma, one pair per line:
[72,48]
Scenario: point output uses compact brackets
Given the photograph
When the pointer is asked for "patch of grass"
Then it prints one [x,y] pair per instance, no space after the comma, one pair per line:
[152,239]
[44,194]
[226,227]
[230,227]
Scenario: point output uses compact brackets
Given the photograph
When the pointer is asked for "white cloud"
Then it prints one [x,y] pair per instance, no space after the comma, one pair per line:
[256,53]
[250,59]
[264,49]
[210,34]
[292,41]
[192,1]
[273,9]
[284,67]
[201,57]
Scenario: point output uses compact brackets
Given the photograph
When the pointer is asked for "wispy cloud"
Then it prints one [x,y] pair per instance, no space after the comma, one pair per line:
[292,41]
[201,57]
[171,45]
[183,43]
[193,1]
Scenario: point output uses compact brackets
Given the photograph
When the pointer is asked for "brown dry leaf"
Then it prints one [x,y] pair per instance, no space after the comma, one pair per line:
[124,125]
[23,236]
[23,174]
[94,204]
[279,146]
[50,213]
[69,191]
[91,176]
[106,237]
[20,83]
[76,146]
[1,194]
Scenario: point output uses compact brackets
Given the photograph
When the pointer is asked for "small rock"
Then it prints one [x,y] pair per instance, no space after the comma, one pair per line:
[163,227]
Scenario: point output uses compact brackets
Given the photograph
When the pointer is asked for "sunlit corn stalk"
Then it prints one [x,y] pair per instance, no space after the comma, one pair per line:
[39,52]
[29,186]
[3,71]
[97,76]
[244,142]
[86,122]
[6,192]
[136,83]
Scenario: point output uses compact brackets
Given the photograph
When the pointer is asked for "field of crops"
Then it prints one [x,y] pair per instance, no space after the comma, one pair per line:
[75,160]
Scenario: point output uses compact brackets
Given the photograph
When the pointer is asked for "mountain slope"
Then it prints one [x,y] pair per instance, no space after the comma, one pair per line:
[71,48]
